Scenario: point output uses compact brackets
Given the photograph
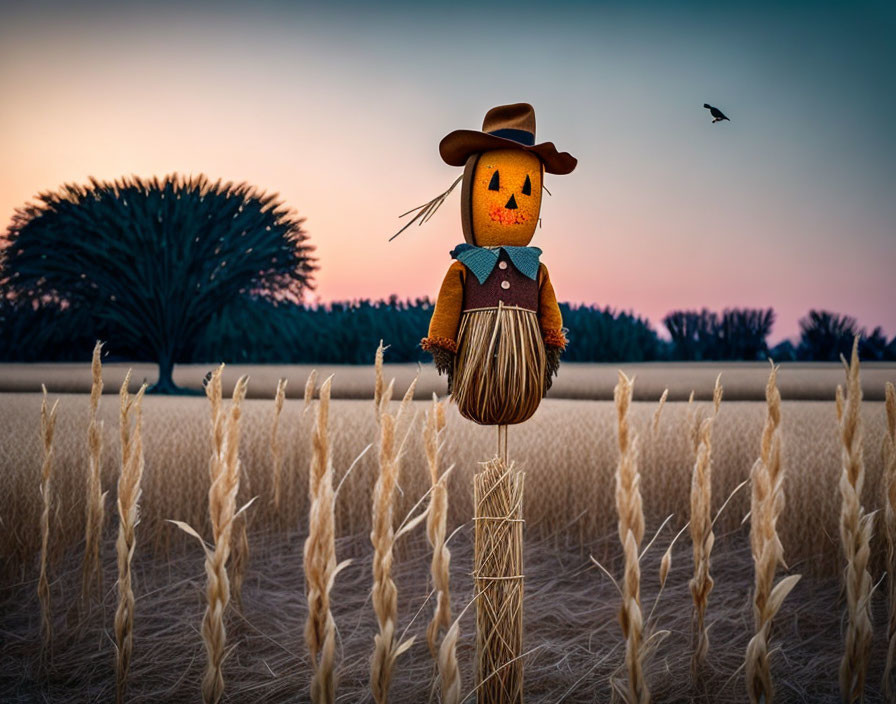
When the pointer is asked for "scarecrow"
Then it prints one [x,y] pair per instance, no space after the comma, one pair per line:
[496,330]
[497,333]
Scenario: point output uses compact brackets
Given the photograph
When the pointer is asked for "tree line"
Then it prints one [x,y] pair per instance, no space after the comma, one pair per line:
[258,330]
[181,269]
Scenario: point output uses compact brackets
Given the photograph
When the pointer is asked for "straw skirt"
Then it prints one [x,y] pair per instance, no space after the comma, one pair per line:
[499,369]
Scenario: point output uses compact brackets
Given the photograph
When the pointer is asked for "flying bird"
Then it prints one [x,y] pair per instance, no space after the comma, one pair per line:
[717,115]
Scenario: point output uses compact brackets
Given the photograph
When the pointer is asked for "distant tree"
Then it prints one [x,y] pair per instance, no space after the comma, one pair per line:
[784,351]
[742,333]
[824,336]
[736,334]
[691,332]
[874,346]
[154,260]
[261,331]
[31,331]
[607,335]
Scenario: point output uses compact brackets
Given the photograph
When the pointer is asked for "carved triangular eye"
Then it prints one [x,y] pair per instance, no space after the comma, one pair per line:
[527,187]
[494,184]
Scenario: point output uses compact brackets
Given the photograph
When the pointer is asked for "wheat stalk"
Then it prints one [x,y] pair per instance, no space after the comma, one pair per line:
[855,535]
[124,405]
[239,561]
[128,514]
[658,412]
[276,448]
[766,504]
[630,525]
[693,419]
[47,426]
[310,383]
[379,384]
[449,672]
[702,536]
[384,593]
[436,522]
[436,528]
[320,557]
[92,573]
[225,471]
[386,649]
[224,476]
[890,531]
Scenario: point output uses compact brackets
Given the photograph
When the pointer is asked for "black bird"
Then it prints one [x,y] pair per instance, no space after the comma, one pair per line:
[717,115]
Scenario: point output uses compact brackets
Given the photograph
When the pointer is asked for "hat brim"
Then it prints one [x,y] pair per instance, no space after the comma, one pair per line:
[457,146]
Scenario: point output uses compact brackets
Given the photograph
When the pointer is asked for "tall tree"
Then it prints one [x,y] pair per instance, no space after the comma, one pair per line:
[153,260]
[824,335]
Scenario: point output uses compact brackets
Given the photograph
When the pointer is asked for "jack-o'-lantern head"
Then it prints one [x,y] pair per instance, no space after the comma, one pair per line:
[501,197]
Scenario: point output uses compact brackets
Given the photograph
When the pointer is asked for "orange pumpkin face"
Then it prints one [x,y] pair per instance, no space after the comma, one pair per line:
[506,197]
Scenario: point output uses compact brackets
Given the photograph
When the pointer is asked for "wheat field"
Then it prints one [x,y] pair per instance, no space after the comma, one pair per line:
[744,381]
[573,647]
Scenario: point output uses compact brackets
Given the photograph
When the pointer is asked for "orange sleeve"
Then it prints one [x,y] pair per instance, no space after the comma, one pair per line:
[549,316]
[446,316]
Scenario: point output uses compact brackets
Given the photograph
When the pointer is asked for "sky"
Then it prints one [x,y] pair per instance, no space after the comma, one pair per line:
[339,108]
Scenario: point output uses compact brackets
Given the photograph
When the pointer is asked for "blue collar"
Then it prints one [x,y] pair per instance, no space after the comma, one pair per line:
[481,260]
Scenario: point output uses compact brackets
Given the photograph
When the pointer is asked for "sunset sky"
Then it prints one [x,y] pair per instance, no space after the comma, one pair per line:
[792,204]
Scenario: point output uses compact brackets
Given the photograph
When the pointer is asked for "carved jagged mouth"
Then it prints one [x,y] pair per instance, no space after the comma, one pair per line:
[500,214]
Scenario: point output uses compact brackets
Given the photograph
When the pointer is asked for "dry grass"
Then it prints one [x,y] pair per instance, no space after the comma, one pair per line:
[384,594]
[630,510]
[659,411]
[47,426]
[449,669]
[889,519]
[224,475]
[568,447]
[92,577]
[568,651]
[225,479]
[239,546]
[766,504]
[320,559]
[388,645]
[445,654]
[276,444]
[701,527]
[855,536]
[744,381]
[128,517]
[572,643]
[379,383]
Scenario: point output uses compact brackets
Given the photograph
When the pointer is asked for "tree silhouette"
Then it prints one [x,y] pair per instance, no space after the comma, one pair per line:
[154,260]
[824,335]
[692,333]
[738,333]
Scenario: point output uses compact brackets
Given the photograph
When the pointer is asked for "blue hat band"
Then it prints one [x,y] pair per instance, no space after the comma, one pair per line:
[525,138]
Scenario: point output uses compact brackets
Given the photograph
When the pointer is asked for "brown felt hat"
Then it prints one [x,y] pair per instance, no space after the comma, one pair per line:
[505,127]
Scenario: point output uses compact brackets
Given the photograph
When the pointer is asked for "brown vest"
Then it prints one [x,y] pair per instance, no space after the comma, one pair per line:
[505,284]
